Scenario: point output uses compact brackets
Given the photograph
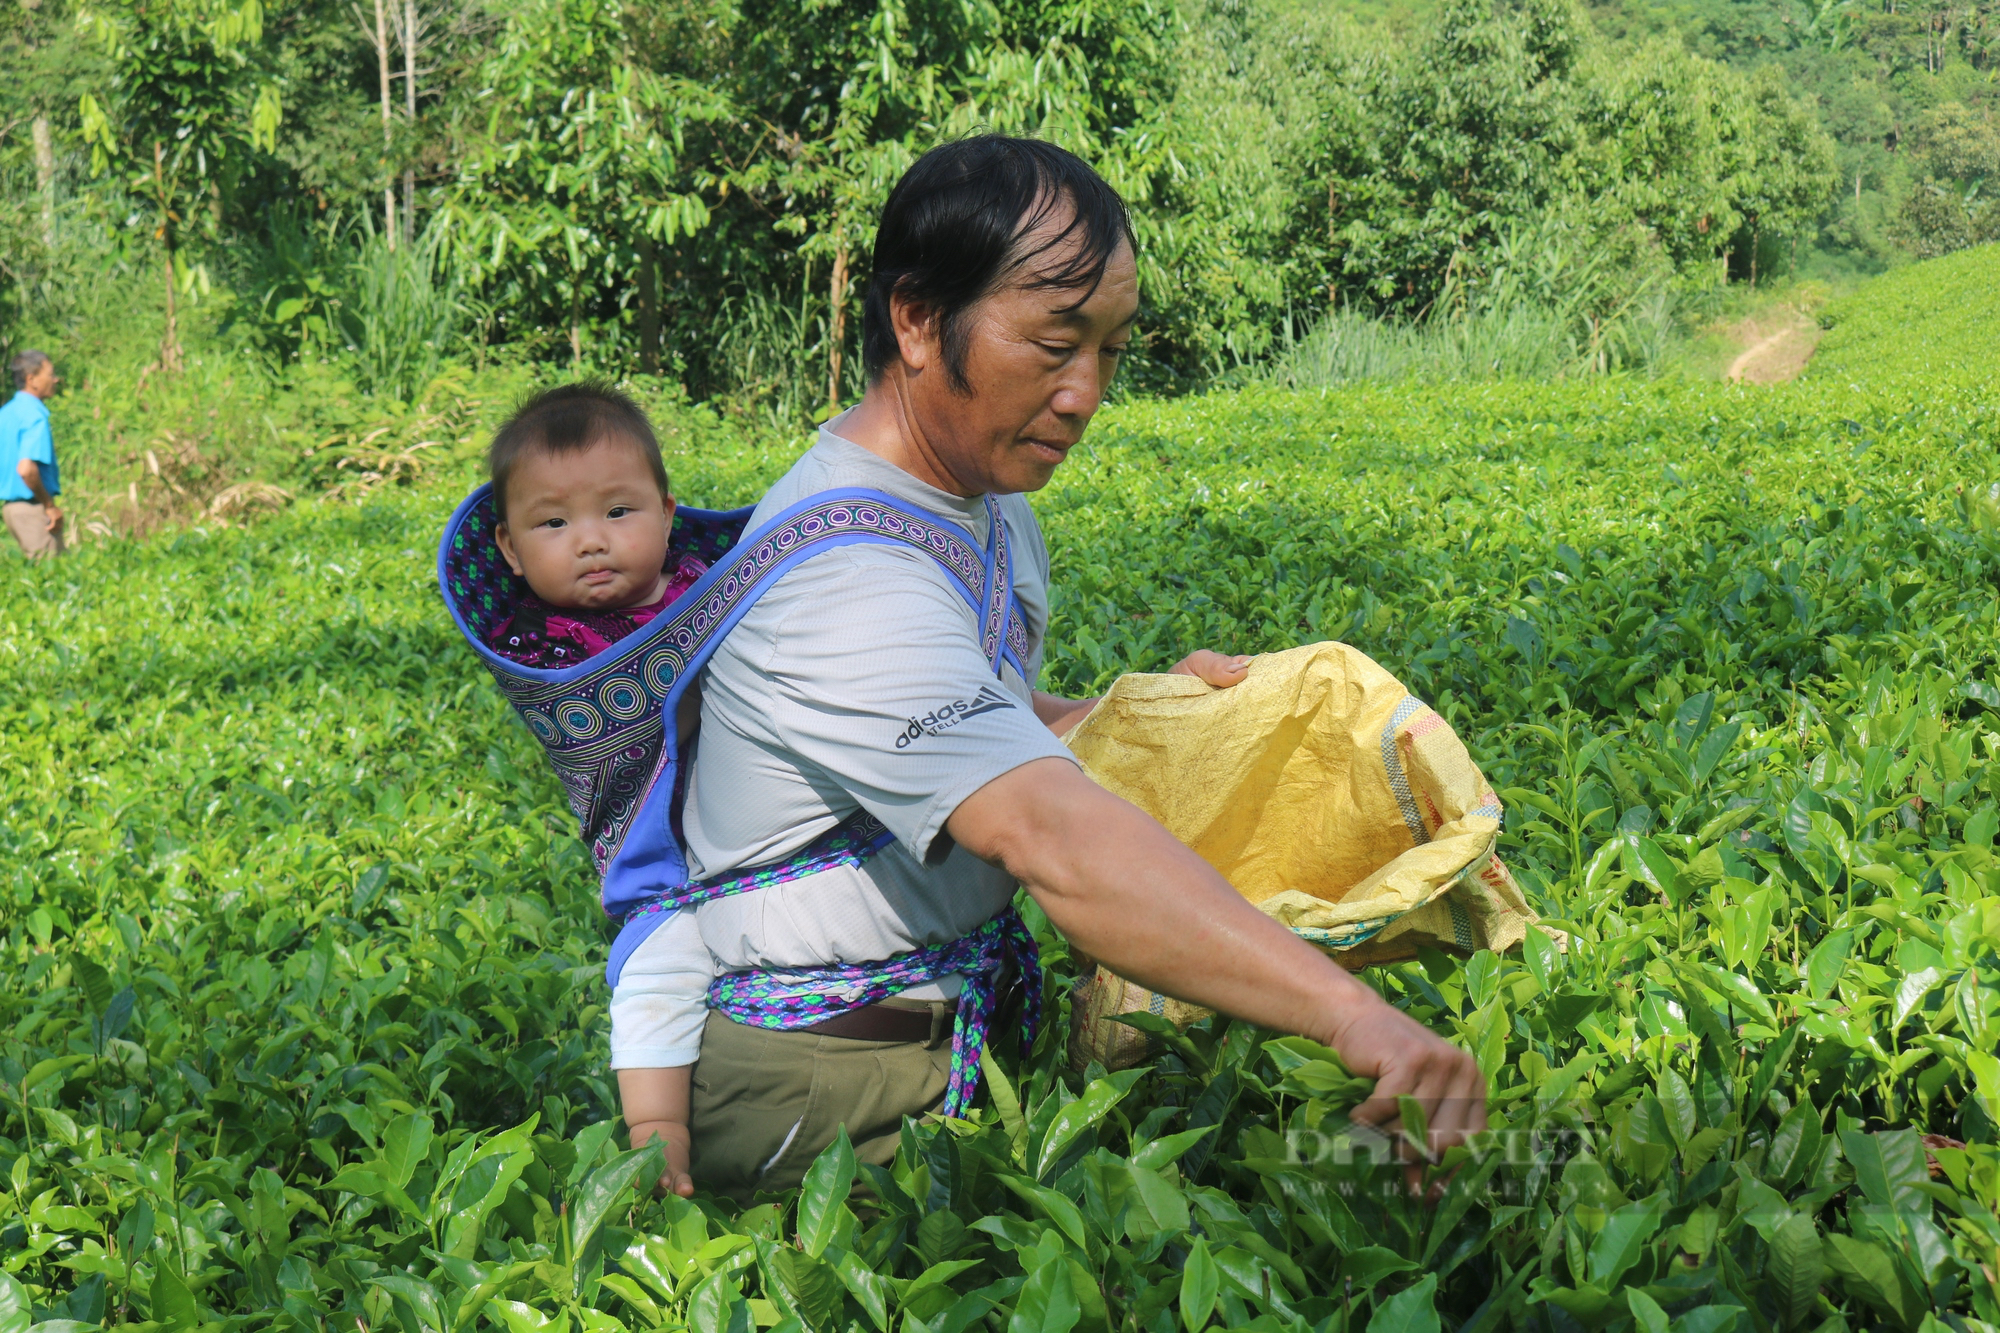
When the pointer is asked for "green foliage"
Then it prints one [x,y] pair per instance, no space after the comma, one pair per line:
[1940,317]
[690,188]
[180,102]
[579,161]
[304,961]
[1901,91]
[1508,116]
[402,317]
[1952,205]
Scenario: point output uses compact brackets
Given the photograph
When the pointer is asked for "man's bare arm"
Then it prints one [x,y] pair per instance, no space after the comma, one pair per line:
[1059,714]
[31,472]
[1127,893]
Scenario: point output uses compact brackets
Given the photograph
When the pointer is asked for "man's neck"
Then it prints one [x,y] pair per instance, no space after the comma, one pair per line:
[884,424]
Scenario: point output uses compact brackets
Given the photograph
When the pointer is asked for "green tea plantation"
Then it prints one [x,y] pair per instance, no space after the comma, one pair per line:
[304,999]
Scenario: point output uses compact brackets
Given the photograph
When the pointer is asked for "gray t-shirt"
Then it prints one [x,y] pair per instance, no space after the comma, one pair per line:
[808,709]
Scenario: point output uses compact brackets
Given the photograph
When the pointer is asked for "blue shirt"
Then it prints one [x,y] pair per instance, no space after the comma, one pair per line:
[24,433]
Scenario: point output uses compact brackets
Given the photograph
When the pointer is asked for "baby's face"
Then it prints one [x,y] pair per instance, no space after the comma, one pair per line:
[588,530]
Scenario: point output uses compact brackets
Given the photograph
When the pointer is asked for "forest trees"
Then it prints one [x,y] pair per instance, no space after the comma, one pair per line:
[1956,201]
[182,99]
[1509,114]
[577,169]
[689,185]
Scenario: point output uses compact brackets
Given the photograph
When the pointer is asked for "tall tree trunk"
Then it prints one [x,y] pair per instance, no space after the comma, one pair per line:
[575,323]
[410,114]
[45,177]
[837,323]
[388,135]
[649,306]
[1332,237]
[170,345]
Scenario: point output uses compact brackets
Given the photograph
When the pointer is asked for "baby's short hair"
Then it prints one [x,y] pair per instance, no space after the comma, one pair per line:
[569,419]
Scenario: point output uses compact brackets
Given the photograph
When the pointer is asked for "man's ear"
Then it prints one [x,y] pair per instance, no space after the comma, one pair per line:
[916,331]
[506,542]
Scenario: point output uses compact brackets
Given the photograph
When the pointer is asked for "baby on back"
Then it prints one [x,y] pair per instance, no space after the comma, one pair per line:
[585,513]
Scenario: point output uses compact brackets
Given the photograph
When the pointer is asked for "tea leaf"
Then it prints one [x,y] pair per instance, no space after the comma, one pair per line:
[1200,1285]
[1412,1310]
[1621,1242]
[1646,1312]
[599,1193]
[1823,966]
[824,1194]
[1798,1268]
[1889,1167]
[1047,1303]
[1081,1114]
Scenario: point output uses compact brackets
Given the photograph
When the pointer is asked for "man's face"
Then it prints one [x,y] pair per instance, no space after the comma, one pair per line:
[1037,372]
[587,529]
[42,383]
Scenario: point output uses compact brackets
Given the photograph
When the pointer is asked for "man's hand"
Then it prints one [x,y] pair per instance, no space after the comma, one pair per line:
[1060,715]
[1405,1058]
[30,473]
[1213,667]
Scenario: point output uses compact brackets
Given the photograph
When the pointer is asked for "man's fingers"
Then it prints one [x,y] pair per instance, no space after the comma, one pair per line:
[1381,1107]
[1212,667]
[1448,1088]
[1454,1123]
[1460,1107]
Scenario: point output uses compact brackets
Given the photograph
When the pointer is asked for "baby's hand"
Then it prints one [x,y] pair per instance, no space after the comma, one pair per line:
[675,1139]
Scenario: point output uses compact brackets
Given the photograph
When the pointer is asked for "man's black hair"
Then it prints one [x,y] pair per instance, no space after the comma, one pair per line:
[24,364]
[954,228]
[569,419]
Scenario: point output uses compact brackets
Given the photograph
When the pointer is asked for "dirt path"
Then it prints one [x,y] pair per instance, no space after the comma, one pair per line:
[1779,341]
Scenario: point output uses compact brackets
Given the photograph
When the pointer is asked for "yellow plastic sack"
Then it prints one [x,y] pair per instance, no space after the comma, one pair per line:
[1326,794]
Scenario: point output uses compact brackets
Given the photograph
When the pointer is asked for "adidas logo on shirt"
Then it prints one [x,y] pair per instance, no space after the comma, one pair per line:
[949,715]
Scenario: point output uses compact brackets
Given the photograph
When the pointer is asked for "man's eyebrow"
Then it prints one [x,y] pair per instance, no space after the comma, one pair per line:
[1074,317]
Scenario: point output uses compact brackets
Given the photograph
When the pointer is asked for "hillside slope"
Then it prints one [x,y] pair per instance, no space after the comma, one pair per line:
[1939,317]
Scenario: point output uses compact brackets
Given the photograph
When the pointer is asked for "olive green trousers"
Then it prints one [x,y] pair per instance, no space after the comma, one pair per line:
[767,1103]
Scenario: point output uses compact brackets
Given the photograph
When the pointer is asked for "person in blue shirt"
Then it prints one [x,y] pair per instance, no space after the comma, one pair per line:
[28,480]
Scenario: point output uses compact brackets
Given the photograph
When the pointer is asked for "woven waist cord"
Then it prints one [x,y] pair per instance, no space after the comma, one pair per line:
[796,999]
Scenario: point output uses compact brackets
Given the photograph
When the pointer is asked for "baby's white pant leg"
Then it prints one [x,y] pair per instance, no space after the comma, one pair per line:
[661,1000]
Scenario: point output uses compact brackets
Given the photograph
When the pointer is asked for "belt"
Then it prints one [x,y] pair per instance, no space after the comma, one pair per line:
[881,1022]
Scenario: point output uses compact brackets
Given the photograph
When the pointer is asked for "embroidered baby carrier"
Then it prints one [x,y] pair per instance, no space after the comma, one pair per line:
[607,724]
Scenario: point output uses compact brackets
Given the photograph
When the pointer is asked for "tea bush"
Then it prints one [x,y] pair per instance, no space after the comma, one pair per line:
[1939,318]
[304,990]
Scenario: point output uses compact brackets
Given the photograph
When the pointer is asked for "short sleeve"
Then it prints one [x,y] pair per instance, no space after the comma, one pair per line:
[661,1000]
[878,682]
[37,444]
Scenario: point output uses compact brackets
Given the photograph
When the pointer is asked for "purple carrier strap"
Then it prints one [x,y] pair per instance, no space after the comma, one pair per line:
[794,999]
[849,842]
